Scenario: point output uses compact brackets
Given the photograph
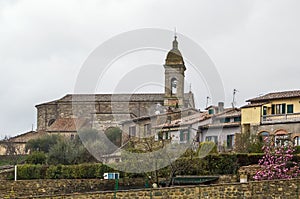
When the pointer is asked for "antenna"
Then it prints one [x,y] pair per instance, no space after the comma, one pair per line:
[233,97]
[207,99]
[190,87]
[175,33]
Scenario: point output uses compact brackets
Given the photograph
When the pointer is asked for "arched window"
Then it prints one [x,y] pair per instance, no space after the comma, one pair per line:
[264,136]
[51,122]
[281,138]
[297,141]
[174,86]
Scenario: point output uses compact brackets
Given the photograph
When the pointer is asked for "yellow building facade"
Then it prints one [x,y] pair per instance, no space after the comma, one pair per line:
[275,113]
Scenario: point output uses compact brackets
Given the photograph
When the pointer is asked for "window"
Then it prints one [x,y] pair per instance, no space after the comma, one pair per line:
[184,136]
[290,108]
[174,86]
[169,119]
[167,136]
[230,141]
[160,135]
[237,119]
[283,107]
[297,141]
[212,139]
[281,138]
[273,109]
[225,120]
[211,111]
[264,110]
[147,129]
[264,136]
[132,131]
[51,122]
[278,108]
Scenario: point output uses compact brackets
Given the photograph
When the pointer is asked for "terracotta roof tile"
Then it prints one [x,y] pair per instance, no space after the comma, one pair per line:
[114,97]
[276,95]
[229,113]
[253,105]
[191,119]
[222,125]
[67,124]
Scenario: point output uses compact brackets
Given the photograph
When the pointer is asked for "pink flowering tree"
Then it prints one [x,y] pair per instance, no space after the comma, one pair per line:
[277,163]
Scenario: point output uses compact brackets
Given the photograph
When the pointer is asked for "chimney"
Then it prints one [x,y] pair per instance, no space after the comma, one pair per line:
[221,107]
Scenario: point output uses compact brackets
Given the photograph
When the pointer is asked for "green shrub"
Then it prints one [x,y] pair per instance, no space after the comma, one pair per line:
[29,171]
[36,157]
[297,149]
[207,148]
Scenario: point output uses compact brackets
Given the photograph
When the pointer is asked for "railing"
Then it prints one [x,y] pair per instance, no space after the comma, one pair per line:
[280,118]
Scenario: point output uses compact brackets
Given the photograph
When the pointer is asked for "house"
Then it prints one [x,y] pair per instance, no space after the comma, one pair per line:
[276,114]
[16,145]
[183,130]
[149,126]
[223,126]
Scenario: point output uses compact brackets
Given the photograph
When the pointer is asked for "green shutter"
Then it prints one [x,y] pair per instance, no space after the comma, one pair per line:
[228,141]
[283,108]
[273,109]
[237,119]
[290,108]
[181,135]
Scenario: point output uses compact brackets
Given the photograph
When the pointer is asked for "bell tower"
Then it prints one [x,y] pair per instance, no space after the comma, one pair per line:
[174,77]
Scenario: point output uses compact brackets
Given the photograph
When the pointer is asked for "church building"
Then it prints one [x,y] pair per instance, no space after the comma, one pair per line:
[102,111]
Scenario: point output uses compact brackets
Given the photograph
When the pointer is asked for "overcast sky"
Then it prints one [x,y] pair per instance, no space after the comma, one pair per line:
[255,45]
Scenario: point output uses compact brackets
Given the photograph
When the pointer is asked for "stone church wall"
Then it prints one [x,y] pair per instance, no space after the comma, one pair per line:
[103,114]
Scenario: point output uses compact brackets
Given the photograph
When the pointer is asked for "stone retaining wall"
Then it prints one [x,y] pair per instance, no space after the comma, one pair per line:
[27,188]
[280,189]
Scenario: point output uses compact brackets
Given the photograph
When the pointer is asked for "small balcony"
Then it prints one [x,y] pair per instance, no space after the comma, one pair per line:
[280,118]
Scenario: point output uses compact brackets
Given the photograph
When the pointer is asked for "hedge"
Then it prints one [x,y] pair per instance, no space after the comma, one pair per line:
[81,171]
[12,159]
[212,164]
[219,164]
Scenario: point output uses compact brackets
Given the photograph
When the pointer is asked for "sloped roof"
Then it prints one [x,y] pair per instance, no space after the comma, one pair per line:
[211,106]
[113,98]
[26,136]
[222,125]
[147,117]
[68,124]
[276,95]
[230,112]
[253,104]
[191,119]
